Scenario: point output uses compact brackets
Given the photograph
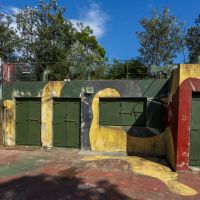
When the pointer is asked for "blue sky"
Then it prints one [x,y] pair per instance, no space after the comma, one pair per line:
[115,21]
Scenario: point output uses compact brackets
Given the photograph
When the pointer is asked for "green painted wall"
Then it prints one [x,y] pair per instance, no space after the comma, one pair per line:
[154,90]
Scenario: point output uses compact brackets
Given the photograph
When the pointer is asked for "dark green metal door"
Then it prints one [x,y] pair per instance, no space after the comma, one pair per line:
[195,131]
[28,122]
[122,112]
[110,112]
[66,123]
[133,112]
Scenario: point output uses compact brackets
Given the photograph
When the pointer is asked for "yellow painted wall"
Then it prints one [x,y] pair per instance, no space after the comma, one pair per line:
[189,71]
[102,138]
[106,138]
[115,138]
[183,72]
[9,122]
[51,89]
[175,83]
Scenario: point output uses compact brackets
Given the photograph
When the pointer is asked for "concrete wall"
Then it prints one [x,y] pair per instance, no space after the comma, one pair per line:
[167,131]
[186,79]
[150,139]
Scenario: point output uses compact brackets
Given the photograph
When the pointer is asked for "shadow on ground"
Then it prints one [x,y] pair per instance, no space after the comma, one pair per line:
[66,185]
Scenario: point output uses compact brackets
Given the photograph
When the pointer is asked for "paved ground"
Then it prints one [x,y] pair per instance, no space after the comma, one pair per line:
[32,173]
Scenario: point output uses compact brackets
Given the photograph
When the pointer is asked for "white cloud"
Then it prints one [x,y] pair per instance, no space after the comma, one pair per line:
[14,10]
[9,12]
[94,17]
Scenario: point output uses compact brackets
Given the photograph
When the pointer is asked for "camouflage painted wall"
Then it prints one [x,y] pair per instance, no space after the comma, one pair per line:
[150,139]
[167,130]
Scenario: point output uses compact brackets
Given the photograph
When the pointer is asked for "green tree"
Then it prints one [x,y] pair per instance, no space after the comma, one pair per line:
[87,55]
[46,38]
[7,38]
[50,40]
[161,38]
[129,69]
[116,70]
[193,40]
[26,21]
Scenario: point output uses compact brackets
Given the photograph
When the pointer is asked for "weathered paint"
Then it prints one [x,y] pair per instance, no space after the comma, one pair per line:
[51,89]
[152,169]
[171,116]
[183,135]
[102,138]
[115,138]
[9,123]
[189,71]
[189,81]
[22,89]
[168,113]
[185,80]
[148,140]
